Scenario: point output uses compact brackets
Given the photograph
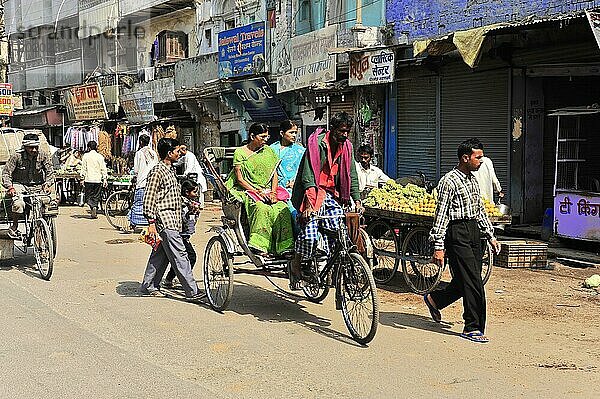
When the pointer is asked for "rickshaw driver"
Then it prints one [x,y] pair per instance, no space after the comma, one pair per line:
[326,181]
[27,171]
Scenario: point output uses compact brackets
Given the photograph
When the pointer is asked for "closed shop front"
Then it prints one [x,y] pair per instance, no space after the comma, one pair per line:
[476,103]
[416,100]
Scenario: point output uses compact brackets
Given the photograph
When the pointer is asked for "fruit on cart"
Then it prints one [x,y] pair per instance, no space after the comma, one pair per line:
[411,199]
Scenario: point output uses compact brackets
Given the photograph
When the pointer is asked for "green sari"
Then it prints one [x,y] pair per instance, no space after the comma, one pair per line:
[270,224]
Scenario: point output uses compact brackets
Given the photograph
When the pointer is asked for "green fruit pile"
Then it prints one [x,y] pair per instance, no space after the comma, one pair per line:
[407,199]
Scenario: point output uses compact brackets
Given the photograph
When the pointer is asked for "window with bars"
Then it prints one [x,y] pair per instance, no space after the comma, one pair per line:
[173,46]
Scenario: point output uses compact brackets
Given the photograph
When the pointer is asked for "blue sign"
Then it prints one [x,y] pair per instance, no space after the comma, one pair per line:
[259,100]
[242,51]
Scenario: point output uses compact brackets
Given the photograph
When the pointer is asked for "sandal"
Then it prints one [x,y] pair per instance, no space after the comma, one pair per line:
[475,336]
[435,313]
[295,281]
[14,234]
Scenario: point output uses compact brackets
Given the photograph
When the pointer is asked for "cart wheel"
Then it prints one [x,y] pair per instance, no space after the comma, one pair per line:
[420,274]
[116,210]
[315,291]
[43,248]
[218,274]
[385,246]
[487,262]
[357,293]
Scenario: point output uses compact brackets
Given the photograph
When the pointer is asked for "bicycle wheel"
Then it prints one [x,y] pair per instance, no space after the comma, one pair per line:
[487,262]
[385,246]
[314,290]
[358,296]
[420,274]
[116,210]
[218,274]
[43,248]
[51,222]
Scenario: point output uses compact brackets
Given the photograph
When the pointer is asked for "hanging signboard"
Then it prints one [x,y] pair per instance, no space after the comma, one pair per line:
[310,59]
[138,107]
[577,215]
[594,20]
[242,51]
[6,99]
[259,100]
[371,67]
[85,103]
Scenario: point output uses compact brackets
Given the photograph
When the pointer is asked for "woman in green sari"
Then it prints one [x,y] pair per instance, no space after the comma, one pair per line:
[253,181]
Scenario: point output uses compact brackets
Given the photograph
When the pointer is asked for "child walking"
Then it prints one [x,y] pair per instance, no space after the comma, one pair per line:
[190,211]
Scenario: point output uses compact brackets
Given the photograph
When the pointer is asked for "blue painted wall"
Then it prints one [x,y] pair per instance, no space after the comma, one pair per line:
[428,18]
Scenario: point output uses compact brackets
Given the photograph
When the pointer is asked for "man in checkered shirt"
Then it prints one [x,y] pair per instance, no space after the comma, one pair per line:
[460,220]
[162,208]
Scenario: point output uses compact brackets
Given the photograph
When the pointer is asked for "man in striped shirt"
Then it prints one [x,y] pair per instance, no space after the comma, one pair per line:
[460,221]
[162,208]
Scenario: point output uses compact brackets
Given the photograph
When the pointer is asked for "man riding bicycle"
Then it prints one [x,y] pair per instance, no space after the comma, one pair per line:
[326,181]
[27,171]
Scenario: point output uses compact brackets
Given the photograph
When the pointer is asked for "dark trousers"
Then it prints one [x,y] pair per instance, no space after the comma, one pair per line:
[189,248]
[464,252]
[93,194]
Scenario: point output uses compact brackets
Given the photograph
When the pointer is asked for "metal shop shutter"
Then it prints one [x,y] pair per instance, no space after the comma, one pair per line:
[417,149]
[476,104]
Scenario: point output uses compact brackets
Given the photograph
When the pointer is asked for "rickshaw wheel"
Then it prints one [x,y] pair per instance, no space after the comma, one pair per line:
[420,274]
[315,291]
[385,239]
[487,262]
[357,293]
[218,274]
[43,248]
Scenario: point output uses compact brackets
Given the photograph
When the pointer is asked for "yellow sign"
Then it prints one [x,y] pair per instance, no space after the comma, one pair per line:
[85,103]
[6,99]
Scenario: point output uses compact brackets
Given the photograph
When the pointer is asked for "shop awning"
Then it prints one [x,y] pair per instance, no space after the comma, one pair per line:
[34,110]
[575,111]
[40,116]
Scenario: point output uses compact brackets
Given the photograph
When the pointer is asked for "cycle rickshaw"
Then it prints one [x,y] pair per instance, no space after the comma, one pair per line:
[39,230]
[227,253]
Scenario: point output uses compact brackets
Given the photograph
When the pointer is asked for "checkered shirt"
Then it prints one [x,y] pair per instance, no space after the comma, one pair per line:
[310,237]
[162,199]
[459,198]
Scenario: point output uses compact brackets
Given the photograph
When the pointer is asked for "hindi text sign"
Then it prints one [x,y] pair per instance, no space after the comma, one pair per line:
[138,107]
[577,215]
[310,59]
[85,103]
[6,99]
[371,67]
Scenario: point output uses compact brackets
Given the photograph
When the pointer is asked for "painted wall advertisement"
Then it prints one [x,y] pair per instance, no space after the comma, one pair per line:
[259,100]
[6,99]
[85,103]
[577,215]
[371,67]
[138,107]
[242,51]
[310,59]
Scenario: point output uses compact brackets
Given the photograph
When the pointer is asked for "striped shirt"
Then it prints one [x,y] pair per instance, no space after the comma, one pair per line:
[459,198]
[162,199]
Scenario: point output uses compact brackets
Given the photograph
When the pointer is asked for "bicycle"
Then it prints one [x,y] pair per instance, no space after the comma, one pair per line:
[40,232]
[117,207]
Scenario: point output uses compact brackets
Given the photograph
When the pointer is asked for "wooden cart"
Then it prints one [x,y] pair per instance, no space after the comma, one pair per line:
[403,238]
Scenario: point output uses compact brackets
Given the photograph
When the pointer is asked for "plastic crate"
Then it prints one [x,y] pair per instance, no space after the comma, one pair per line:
[522,254]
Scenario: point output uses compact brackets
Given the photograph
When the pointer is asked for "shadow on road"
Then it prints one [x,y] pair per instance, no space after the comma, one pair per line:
[407,320]
[23,262]
[128,288]
[269,306]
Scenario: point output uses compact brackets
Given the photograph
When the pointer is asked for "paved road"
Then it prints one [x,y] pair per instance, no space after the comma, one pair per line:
[87,334]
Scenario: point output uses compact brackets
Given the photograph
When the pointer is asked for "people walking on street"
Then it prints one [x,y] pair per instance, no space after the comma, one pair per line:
[190,212]
[190,166]
[95,175]
[460,218]
[162,208]
[326,181]
[27,171]
[145,159]
[369,176]
[488,181]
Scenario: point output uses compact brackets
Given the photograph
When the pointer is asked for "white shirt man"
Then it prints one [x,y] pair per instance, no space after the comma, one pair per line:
[145,159]
[369,176]
[488,182]
[93,167]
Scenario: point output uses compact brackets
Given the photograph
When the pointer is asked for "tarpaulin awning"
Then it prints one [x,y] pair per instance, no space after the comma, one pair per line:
[34,110]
